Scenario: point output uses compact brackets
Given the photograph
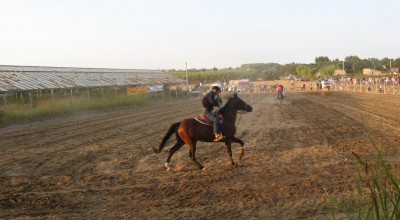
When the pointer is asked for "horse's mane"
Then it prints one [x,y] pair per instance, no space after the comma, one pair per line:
[223,109]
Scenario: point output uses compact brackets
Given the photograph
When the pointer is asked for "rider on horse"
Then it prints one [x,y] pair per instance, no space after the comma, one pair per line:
[209,101]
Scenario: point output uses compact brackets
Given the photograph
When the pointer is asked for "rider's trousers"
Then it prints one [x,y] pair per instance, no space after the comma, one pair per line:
[211,117]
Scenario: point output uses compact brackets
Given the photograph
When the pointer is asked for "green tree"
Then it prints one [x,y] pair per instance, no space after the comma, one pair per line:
[349,62]
[385,63]
[304,70]
[327,71]
[322,59]
[396,62]
[375,63]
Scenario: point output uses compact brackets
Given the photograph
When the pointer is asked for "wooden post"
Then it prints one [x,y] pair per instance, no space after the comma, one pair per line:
[266,97]
[52,96]
[37,94]
[88,95]
[163,92]
[102,95]
[115,93]
[176,92]
[384,87]
[393,85]
[5,103]
[251,103]
[72,97]
[30,100]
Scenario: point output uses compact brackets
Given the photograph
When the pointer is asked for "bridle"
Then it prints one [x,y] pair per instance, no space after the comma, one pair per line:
[240,112]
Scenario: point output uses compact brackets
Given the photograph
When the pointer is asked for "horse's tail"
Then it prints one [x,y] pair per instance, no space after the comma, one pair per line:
[171,130]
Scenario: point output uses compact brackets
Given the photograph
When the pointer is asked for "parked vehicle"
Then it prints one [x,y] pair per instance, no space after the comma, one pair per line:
[325,85]
[333,80]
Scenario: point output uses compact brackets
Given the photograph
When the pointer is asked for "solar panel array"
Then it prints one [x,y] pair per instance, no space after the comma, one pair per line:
[27,78]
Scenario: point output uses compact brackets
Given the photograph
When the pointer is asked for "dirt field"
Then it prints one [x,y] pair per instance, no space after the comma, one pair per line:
[103,166]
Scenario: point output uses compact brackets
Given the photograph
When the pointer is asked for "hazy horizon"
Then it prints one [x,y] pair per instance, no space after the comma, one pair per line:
[206,34]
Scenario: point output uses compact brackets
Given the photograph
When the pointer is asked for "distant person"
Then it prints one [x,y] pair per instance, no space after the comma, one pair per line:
[210,100]
[280,92]
[291,85]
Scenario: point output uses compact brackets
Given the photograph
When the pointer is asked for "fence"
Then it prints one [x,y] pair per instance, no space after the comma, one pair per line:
[383,87]
[27,104]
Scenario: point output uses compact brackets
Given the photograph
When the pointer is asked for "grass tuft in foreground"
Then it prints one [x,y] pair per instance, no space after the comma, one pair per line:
[377,193]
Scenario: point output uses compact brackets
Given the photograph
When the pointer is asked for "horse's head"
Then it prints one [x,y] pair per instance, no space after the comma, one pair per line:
[239,104]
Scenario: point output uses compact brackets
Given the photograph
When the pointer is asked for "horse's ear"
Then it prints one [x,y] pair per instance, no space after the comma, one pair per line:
[235,95]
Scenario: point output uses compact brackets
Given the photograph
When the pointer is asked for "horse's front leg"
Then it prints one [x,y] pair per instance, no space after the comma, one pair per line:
[228,145]
[237,140]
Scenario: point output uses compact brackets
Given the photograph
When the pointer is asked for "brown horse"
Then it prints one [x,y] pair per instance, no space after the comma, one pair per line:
[190,131]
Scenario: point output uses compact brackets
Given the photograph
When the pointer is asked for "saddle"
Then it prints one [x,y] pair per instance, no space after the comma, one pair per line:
[202,119]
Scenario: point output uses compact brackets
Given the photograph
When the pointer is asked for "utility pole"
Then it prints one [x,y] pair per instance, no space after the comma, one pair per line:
[390,69]
[343,65]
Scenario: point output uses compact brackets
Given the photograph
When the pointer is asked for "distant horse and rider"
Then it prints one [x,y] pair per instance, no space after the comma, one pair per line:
[207,127]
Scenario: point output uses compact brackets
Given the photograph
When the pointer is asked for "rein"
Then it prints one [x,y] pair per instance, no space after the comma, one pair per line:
[240,112]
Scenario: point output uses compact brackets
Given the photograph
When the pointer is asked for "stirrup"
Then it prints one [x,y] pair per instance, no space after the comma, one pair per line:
[218,137]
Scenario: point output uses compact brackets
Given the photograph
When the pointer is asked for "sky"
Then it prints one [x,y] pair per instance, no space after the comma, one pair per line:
[164,34]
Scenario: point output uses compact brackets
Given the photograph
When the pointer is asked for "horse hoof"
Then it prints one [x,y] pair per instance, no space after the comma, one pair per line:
[204,169]
[167,166]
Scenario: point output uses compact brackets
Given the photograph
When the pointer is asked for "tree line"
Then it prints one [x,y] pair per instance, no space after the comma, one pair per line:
[323,66]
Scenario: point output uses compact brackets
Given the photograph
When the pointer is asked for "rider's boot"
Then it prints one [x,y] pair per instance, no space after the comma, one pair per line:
[218,137]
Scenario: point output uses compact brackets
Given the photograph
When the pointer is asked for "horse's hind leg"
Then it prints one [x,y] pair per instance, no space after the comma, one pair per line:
[192,147]
[175,148]
[229,149]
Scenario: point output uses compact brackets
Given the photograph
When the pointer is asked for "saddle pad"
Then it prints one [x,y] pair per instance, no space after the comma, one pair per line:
[203,120]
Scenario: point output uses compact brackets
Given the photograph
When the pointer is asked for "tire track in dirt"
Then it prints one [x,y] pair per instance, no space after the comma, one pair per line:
[147,135]
[115,122]
[63,148]
[88,123]
[366,113]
